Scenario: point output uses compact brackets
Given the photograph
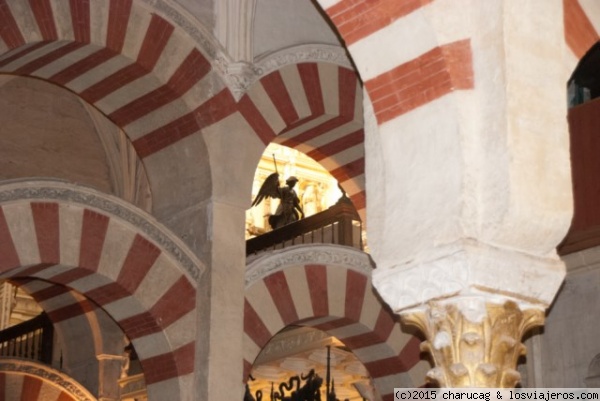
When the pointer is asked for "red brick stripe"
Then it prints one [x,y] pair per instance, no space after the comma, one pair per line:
[350,170]
[191,71]
[9,30]
[22,53]
[167,366]
[385,367]
[356,285]
[30,389]
[411,353]
[48,293]
[31,270]
[580,34]
[282,297]
[422,80]
[65,397]
[359,200]
[93,232]
[277,92]
[213,110]
[46,221]
[82,66]
[71,275]
[155,40]
[139,260]
[334,147]
[316,276]
[358,19]
[42,11]
[48,58]
[80,18]
[256,120]
[108,293]
[118,19]
[309,75]
[70,311]
[254,327]
[179,300]
[8,253]
[139,325]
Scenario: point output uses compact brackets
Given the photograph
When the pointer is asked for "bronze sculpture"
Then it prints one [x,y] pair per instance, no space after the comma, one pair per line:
[289,209]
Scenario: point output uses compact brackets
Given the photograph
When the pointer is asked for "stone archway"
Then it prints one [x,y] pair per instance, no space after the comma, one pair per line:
[118,258]
[328,287]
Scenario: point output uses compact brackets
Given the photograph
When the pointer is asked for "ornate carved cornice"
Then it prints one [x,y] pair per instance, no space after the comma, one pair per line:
[46,373]
[300,255]
[316,53]
[60,191]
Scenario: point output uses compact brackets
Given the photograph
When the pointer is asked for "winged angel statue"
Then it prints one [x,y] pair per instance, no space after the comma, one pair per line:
[287,211]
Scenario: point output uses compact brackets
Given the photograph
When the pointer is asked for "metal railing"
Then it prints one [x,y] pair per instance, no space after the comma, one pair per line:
[30,340]
[340,224]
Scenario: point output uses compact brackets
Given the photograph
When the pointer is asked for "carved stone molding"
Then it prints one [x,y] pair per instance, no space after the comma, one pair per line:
[300,255]
[317,53]
[46,373]
[474,342]
[40,189]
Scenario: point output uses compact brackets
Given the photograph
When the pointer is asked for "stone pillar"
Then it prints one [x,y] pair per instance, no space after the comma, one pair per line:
[109,371]
[469,193]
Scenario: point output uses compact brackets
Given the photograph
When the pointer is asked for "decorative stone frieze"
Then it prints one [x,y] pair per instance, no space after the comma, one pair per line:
[474,341]
[18,190]
[46,373]
[300,255]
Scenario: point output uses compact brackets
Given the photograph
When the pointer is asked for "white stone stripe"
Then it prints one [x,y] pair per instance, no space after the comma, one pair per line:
[9,53]
[139,20]
[328,75]
[354,185]
[298,285]
[398,339]
[35,286]
[117,243]
[31,56]
[70,222]
[182,331]
[89,283]
[412,34]
[344,157]
[263,103]
[175,52]
[25,20]
[52,271]
[13,387]
[99,21]
[306,126]
[328,137]
[371,308]
[251,349]
[350,330]
[19,219]
[418,372]
[591,8]
[61,301]
[97,74]
[4,47]
[49,392]
[260,299]
[374,352]
[160,278]
[61,9]
[386,384]
[170,389]
[124,308]
[66,61]
[326,4]
[151,345]
[128,93]
[336,291]
[293,83]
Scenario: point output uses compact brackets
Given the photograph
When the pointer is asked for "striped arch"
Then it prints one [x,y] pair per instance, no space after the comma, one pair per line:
[27,380]
[96,251]
[329,288]
[138,68]
[315,108]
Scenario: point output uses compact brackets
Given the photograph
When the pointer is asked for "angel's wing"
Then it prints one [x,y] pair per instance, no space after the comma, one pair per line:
[269,189]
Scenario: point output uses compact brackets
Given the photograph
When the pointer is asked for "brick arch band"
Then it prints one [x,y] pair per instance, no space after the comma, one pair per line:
[328,287]
[27,380]
[118,258]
